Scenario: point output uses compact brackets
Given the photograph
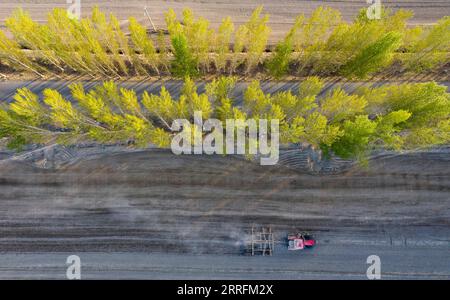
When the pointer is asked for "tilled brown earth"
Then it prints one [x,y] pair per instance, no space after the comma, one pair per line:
[151,214]
[154,201]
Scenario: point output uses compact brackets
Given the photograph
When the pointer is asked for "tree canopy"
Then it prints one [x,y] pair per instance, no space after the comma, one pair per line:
[401,116]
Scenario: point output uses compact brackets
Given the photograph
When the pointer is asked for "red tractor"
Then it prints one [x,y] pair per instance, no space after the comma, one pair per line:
[300,241]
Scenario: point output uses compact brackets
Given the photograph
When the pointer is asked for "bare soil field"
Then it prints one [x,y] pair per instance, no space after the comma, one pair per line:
[139,85]
[282,12]
[151,214]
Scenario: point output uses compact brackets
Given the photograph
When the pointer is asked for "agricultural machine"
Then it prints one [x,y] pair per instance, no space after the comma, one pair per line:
[263,242]
[300,241]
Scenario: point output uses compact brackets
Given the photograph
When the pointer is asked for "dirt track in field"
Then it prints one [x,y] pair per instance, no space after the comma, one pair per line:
[282,12]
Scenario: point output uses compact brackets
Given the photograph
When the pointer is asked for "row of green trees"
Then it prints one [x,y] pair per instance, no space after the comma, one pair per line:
[322,44]
[404,116]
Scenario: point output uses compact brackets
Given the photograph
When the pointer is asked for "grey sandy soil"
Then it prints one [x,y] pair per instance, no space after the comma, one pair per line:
[282,12]
[8,88]
[151,214]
